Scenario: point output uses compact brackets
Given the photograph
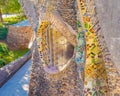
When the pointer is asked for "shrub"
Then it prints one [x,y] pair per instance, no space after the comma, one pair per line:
[2,63]
[13,20]
[7,56]
[4,48]
[3,33]
[1,25]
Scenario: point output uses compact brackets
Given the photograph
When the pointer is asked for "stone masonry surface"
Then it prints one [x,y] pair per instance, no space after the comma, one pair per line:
[20,37]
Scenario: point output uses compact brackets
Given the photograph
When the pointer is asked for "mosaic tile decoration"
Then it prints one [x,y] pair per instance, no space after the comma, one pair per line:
[80,54]
[53,45]
[92,56]
[94,83]
[63,83]
[99,69]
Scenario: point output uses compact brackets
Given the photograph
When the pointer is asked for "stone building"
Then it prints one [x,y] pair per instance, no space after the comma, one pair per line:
[20,36]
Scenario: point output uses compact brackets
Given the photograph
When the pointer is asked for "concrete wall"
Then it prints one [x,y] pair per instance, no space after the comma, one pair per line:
[20,37]
[108,14]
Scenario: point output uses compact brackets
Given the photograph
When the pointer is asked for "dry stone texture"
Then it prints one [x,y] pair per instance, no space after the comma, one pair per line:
[20,37]
[109,18]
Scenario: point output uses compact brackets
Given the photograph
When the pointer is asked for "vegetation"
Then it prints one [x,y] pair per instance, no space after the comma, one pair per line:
[3,32]
[19,53]
[7,56]
[1,25]
[9,21]
[14,20]
[9,7]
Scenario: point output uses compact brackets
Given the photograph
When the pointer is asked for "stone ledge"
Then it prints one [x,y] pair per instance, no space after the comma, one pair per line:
[9,70]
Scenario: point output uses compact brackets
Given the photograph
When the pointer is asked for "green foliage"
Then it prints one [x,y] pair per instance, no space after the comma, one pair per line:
[3,33]
[3,48]
[7,56]
[9,21]
[13,20]
[86,25]
[1,25]
[19,53]
[10,6]
[4,51]
[79,24]
[2,63]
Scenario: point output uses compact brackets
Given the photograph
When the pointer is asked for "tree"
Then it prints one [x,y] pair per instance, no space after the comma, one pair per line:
[12,6]
[2,4]
[9,7]
[1,19]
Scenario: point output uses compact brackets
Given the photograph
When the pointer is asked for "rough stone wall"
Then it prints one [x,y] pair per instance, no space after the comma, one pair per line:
[64,83]
[20,37]
[30,12]
[106,18]
[105,9]
[109,18]
[44,84]
[34,8]
[66,9]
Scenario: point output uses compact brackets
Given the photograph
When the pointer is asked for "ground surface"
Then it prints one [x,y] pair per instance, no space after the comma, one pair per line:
[18,85]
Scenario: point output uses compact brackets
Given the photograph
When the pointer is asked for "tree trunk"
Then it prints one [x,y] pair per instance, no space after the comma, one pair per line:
[1,19]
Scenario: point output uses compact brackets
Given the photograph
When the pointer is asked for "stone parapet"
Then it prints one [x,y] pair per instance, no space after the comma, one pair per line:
[9,70]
